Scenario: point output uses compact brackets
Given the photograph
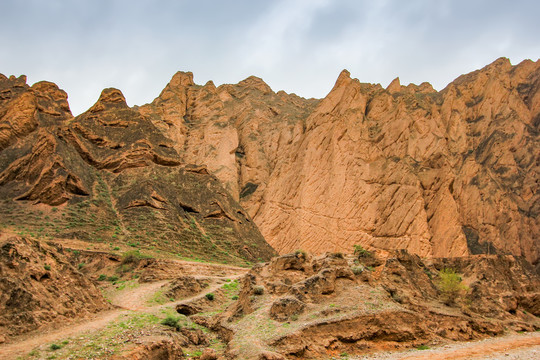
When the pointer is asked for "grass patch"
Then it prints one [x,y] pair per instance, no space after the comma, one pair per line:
[158,298]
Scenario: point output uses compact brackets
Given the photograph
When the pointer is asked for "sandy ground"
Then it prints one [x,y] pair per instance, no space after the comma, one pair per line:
[509,347]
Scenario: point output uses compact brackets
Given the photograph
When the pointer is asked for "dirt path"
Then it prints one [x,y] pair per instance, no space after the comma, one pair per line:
[26,343]
[135,299]
[514,346]
[127,301]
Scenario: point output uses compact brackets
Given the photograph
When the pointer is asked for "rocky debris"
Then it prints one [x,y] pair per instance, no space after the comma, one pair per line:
[316,305]
[194,336]
[208,354]
[184,286]
[283,308]
[39,287]
[498,285]
[269,355]
[154,348]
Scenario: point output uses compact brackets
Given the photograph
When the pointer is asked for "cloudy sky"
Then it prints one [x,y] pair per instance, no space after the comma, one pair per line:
[298,46]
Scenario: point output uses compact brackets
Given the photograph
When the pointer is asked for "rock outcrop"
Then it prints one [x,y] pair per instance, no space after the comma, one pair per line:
[330,304]
[109,175]
[446,173]
[439,173]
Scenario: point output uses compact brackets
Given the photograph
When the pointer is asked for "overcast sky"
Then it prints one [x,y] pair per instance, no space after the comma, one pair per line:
[298,46]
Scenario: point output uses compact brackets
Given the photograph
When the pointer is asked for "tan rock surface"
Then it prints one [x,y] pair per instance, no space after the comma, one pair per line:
[39,287]
[444,173]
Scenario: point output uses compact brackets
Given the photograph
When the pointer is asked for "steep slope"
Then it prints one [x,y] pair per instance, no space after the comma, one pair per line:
[441,174]
[109,175]
[446,173]
[40,287]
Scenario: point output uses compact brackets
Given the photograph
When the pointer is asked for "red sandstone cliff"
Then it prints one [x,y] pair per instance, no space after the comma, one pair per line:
[444,173]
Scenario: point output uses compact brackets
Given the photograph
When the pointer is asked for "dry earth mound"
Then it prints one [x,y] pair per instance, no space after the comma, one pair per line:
[39,287]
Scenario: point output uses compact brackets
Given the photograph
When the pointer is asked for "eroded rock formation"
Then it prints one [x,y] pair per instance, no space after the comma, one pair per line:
[439,173]
[302,306]
[111,175]
[445,173]
[39,287]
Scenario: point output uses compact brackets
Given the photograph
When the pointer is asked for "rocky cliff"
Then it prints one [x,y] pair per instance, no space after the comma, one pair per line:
[110,176]
[446,173]
[439,173]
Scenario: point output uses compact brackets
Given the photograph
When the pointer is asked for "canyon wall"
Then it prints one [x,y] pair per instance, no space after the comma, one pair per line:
[439,173]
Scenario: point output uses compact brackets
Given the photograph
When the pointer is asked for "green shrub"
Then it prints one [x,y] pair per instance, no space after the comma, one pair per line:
[55,347]
[361,252]
[235,297]
[210,296]
[450,285]
[102,277]
[47,267]
[423,347]
[171,321]
[112,278]
[116,248]
[80,266]
[300,253]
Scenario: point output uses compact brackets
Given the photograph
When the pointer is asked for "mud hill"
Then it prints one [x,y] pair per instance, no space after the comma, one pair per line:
[299,306]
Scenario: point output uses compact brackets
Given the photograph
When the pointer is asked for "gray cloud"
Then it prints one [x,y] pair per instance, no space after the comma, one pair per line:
[296,45]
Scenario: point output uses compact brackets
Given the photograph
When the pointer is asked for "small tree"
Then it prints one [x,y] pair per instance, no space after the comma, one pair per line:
[450,285]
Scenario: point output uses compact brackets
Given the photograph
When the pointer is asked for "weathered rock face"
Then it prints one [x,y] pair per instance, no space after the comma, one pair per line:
[446,173]
[39,286]
[111,175]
